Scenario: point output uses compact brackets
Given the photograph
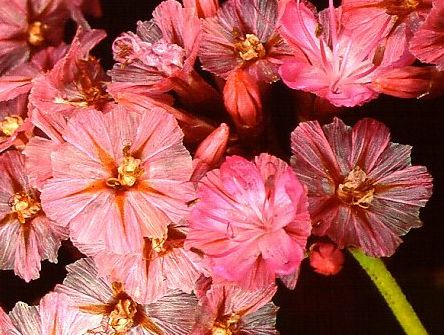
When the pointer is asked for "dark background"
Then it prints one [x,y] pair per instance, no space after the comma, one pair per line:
[347,303]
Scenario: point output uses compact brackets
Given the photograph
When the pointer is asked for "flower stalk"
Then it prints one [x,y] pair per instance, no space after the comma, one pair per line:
[391,292]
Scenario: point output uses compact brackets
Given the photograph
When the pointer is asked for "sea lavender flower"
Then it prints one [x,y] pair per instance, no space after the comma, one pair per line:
[230,310]
[162,266]
[119,177]
[28,26]
[362,190]
[428,42]
[331,59]
[107,305]
[27,235]
[254,215]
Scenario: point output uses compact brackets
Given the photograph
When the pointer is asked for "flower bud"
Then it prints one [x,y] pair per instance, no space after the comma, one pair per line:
[204,8]
[326,258]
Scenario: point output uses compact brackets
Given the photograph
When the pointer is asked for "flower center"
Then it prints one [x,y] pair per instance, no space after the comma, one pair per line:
[36,33]
[10,124]
[226,326]
[401,7]
[356,189]
[249,47]
[24,205]
[128,171]
[121,319]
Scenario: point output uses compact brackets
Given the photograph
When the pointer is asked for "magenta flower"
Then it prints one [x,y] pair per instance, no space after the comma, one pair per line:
[363,191]
[119,177]
[428,42]
[15,127]
[53,316]
[253,215]
[244,35]
[27,26]
[162,266]
[228,309]
[332,60]
[76,82]
[108,306]
[28,235]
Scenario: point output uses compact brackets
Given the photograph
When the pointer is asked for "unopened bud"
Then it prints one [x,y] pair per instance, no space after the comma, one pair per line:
[204,8]
[326,258]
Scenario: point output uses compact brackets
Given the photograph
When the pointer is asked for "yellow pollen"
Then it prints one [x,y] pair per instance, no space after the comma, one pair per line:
[227,326]
[401,7]
[24,206]
[121,319]
[36,33]
[356,189]
[128,171]
[250,47]
[10,124]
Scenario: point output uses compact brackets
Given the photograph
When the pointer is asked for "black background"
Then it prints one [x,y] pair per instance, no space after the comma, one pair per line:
[347,303]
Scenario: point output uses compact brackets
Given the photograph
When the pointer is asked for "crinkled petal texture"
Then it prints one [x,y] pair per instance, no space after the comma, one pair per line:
[97,145]
[255,312]
[428,42]
[97,298]
[254,215]
[27,235]
[369,210]
[148,276]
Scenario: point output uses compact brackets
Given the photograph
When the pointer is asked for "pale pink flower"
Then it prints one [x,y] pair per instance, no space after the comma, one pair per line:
[244,35]
[252,215]
[428,42]
[27,26]
[362,190]
[27,235]
[228,309]
[163,265]
[76,82]
[109,306]
[333,60]
[119,177]
[15,126]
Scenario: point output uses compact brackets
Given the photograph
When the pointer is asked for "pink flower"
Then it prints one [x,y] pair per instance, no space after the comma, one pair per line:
[27,26]
[15,127]
[162,266]
[53,316]
[253,215]
[107,305]
[332,60]
[363,191]
[228,309]
[244,35]
[428,42]
[28,235]
[119,177]
[76,82]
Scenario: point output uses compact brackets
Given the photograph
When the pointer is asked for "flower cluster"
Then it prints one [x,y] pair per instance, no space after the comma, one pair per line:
[165,172]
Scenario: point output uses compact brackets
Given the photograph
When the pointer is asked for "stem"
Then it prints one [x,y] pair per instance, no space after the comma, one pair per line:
[391,292]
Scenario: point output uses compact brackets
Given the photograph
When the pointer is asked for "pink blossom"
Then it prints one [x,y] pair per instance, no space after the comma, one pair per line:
[119,177]
[333,60]
[428,42]
[28,235]
[254,215]
[362,190]
[244,35]
[228,309]
[27,26]
[15,126]
[76,82]
[109,306]
[162,266]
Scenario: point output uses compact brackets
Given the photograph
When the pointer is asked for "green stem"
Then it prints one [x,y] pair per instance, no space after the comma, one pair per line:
[391,292]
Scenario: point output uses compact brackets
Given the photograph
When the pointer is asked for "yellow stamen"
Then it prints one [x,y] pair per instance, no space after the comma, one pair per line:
[128,171]
[250,47]
[356,189]
[401,7]
[226,326]
[121,319]
[36,33]
[10,124]
[24,205]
